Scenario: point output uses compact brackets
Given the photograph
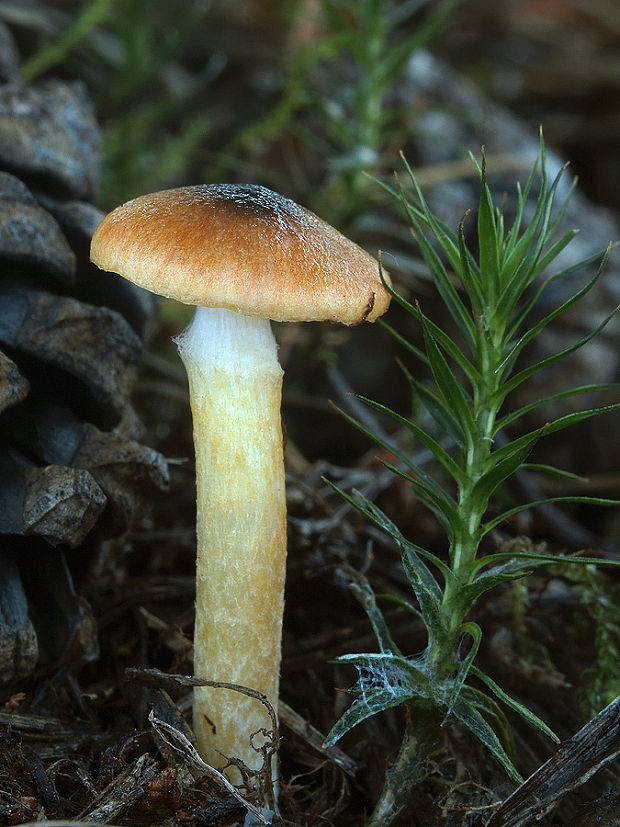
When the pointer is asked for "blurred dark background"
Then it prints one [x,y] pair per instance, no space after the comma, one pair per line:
[315,99]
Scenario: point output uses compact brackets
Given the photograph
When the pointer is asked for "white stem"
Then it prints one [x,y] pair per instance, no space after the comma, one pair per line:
[235,391]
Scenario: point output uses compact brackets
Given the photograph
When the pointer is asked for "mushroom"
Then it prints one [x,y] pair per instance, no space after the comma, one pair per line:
[243,255]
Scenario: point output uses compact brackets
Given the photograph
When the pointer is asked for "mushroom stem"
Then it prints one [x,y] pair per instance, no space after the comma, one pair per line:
[235,385]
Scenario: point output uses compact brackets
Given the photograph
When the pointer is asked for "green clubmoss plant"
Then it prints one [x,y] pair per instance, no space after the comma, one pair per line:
[126,51]
[338,96]
[598,620]
[490,296]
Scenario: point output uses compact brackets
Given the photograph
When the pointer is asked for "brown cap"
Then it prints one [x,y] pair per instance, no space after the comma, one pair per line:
[242,247]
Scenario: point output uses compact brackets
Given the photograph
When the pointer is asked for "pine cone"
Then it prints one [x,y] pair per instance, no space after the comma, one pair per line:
[72,468]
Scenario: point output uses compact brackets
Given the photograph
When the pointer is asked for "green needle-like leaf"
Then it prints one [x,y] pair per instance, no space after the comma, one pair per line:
[446,382]
[502,573]
[381,521]
[525,274]
[451,349]
[487,240]
[419,354]
[526,373]
[559,424]
[473,720]
[450,247]
[520,446]
[533,559]
[403,604]
[545,400]
[489,707]
[552,471]
[385,681]
[362,590]
[511,702]
[528,304]
[527,337]
[470,274]
[513,456]
[427,488]
[440,505]
[425,590]
[516,243]
[475,632]
[407,548]
[437,408]
[373,701]
[506,515]
[439,452]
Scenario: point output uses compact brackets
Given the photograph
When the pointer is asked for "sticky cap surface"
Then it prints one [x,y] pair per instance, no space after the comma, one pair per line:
[242,247]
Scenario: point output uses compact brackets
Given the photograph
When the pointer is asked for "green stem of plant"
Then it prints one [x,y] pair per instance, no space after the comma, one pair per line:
[410,766]
[471,510]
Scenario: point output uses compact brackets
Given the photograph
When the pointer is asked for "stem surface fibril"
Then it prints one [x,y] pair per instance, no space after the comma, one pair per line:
[235,393]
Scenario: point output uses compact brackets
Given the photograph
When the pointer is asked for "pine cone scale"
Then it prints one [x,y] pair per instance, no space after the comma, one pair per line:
[70,472]
[49,138]
[94,344]
[13,386]
[29,235]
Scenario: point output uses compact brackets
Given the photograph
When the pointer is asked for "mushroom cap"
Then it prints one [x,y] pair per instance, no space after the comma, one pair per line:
[241,247]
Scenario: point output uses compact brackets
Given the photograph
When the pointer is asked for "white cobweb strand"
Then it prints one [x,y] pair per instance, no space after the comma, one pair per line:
[235,391]
[378,674]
